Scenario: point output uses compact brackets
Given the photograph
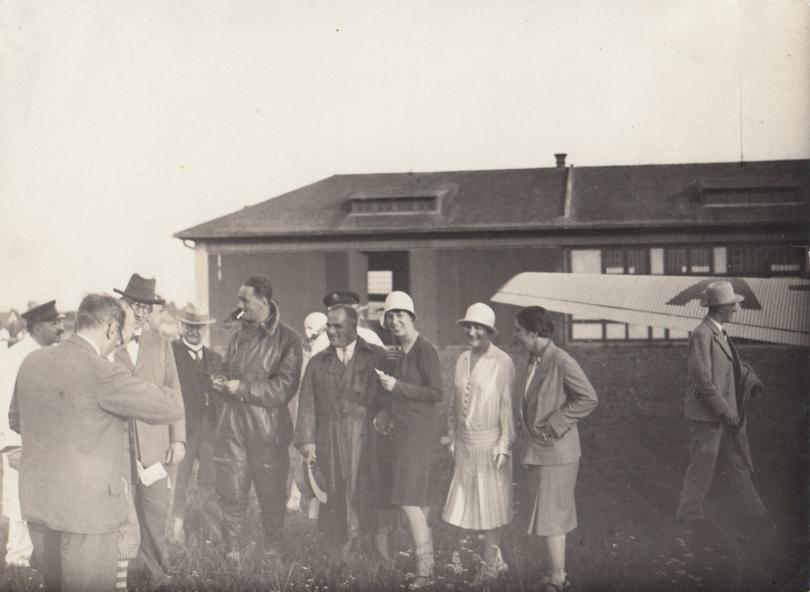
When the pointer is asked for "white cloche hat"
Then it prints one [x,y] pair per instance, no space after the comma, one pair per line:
[397,301]
[480,314]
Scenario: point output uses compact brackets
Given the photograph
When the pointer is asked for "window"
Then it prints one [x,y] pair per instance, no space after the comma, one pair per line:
[395,205]
[394,201]
[764,260]
[685,261]
[752,197]
[387,271]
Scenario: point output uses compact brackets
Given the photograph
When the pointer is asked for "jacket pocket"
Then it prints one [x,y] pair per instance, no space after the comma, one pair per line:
[117,485]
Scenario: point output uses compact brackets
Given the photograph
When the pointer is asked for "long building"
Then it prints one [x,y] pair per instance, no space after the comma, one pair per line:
[453,238]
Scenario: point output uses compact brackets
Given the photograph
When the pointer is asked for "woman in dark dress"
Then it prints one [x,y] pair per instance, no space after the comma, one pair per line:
[415,388]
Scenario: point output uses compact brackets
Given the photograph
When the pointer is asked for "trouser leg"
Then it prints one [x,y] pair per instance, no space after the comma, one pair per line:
[18,543]
[704,445]
[47,546]
[184,470]
[269,473]
[232,484]
[89,562]
[152,504]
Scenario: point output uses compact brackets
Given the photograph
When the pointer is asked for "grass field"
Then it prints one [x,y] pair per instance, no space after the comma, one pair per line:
[634,455]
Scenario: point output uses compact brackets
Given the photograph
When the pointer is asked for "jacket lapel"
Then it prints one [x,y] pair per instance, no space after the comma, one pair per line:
[122,356]
[718,337]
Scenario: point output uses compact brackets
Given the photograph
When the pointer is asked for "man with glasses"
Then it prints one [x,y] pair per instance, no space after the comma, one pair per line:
[71,407]
[157,450]
[45,327]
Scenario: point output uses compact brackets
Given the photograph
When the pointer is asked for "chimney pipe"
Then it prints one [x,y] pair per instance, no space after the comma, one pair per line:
[560,158]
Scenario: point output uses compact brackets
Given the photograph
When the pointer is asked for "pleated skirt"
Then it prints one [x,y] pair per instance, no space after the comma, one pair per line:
[551,498]
[480,495]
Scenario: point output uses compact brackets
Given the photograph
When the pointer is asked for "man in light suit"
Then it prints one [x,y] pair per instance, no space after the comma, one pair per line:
[714,404]
[71,407]
[149,357]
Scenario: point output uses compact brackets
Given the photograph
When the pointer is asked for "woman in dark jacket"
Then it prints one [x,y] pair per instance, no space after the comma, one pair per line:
[555,395]
[415,388]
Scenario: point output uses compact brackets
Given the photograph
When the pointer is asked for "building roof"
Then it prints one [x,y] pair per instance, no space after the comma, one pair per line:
[525,199]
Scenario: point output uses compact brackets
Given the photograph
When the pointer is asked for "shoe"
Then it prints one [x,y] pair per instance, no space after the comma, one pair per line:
[491,569]
[419,582]
[232,557]
[564,586]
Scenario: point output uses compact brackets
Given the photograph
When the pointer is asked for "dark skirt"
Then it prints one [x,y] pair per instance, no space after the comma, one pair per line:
[412,453]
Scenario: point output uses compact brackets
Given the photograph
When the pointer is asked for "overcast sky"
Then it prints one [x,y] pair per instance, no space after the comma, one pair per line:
[124,122]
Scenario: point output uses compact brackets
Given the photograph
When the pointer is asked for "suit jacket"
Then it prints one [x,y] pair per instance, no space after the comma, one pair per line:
[155,365]
[199,397]
[558,396]
[711,390]
[71,408]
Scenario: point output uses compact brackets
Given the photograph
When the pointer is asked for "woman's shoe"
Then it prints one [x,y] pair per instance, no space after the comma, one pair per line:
[564,586]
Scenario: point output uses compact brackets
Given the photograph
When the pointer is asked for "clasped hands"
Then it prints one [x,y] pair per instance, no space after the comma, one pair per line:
[222,384]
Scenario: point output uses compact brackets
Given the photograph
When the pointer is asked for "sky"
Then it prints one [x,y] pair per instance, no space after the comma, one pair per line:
[124,122]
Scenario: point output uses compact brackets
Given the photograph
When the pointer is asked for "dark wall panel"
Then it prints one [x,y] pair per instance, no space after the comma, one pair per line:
[467,276]
[299,284]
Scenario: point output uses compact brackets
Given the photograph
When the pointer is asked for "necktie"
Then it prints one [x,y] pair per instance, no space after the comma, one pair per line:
[341,353]
[195,354]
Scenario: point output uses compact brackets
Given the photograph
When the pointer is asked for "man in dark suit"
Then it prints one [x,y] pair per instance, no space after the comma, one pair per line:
[71,407]
[714,404]
[149,357]
[340,394]
[195,365]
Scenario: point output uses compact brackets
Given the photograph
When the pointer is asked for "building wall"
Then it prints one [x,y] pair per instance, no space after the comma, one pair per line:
[474,275]
[299,284]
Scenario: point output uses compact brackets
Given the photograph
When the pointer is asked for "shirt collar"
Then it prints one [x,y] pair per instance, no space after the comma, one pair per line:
[194,348]
[716,324]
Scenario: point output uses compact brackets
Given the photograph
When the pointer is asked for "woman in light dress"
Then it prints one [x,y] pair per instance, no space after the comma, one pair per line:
[480,430]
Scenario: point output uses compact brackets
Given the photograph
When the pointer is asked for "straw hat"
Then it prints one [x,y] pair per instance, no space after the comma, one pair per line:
[190,316]
[719,293]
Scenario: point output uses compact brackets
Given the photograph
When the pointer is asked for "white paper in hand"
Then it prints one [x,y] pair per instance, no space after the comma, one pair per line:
[151,474]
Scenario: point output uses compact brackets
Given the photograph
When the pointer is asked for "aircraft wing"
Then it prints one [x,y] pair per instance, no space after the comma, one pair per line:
[775,309]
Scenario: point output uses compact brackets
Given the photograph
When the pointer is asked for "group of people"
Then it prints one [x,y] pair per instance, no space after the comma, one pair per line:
[113,419]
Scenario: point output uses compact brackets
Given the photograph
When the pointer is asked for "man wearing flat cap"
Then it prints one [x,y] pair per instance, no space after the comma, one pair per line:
[720,385]
[195,365]
[349,298]
[149,357]
[45,327]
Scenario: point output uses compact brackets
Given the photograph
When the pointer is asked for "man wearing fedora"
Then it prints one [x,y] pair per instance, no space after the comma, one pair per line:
[715,405]
[149,357]
[196,363]
[45,327]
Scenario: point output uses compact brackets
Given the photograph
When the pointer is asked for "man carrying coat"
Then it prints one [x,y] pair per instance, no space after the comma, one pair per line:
[714,404]
[71,406]
[149,357]
[340,394]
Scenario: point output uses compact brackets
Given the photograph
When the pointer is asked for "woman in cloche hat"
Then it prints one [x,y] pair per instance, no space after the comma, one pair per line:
[480,430]
[415,388]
